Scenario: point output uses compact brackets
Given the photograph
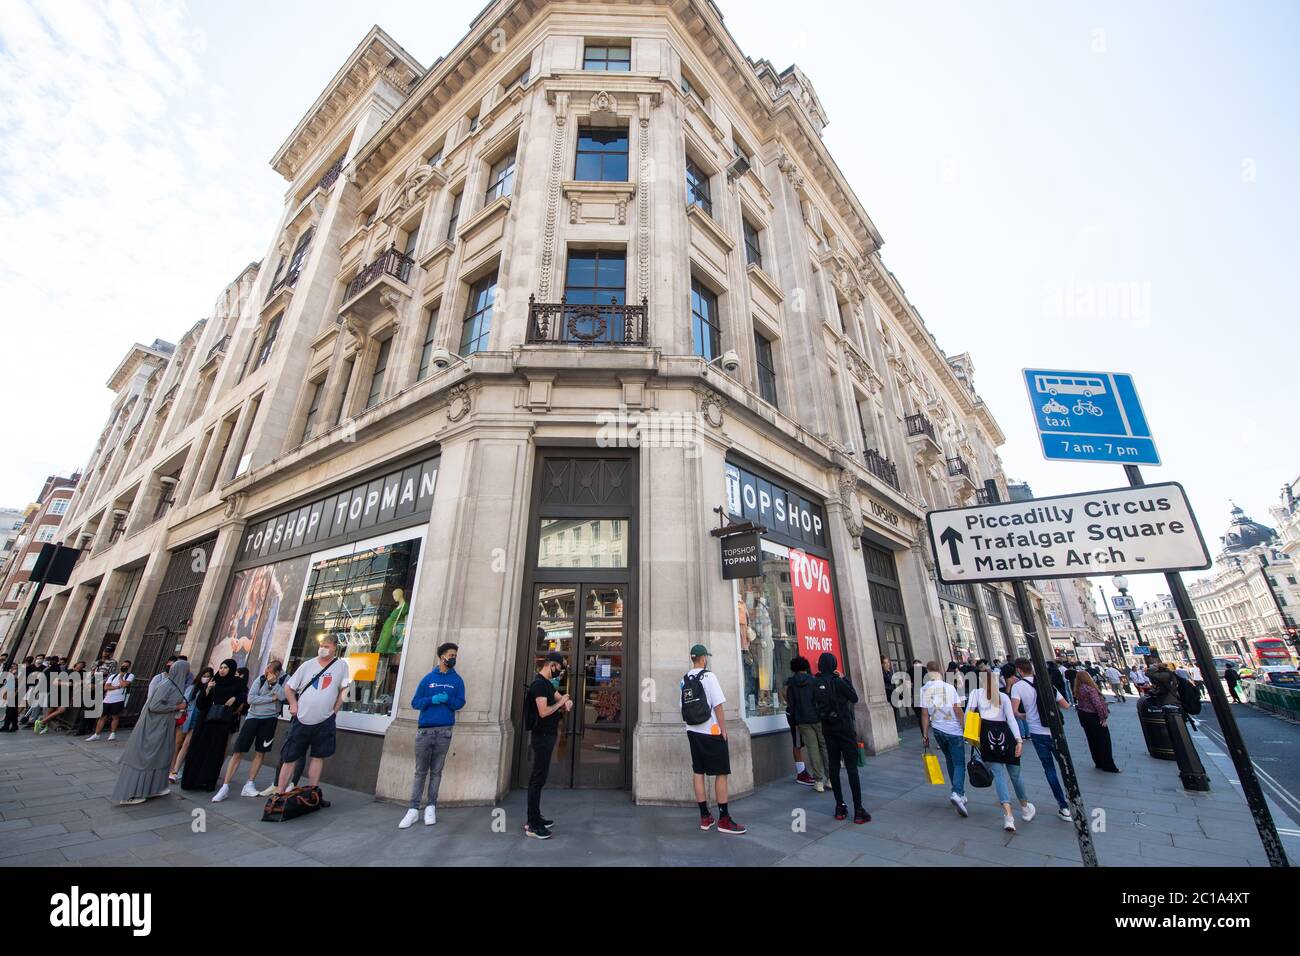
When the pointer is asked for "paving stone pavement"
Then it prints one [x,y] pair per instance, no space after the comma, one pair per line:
[55,811]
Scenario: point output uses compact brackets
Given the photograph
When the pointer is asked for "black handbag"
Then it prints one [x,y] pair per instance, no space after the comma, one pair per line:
[220,714]
[979,775]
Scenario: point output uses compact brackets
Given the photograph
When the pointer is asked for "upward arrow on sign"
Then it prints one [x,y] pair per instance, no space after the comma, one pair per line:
[950,537]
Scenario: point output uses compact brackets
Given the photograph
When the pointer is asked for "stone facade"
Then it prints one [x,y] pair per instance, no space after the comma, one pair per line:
[452,282]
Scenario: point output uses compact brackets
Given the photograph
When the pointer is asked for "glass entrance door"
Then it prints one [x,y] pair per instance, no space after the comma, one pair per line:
[585,623]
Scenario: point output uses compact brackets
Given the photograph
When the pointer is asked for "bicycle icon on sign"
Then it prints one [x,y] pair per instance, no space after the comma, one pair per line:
[1083,406]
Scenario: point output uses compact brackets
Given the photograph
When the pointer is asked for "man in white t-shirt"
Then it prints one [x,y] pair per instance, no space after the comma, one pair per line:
[709,753]
[116,687]
[941,710]
[1025,696]
[315,693]
[1116,681]
[1194,674]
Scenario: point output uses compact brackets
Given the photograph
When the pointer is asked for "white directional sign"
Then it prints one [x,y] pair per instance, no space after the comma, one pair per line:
[1122,530]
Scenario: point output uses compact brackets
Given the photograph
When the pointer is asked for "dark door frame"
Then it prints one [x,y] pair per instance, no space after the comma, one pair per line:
[533,576]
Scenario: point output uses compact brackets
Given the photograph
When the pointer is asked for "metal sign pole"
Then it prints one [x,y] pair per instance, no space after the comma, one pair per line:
[1047,705]
[1227,722]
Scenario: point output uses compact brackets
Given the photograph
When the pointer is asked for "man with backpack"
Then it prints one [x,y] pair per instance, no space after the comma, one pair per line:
[1024,696]
[542,714]
[834,698]
[706,728]
[315,693]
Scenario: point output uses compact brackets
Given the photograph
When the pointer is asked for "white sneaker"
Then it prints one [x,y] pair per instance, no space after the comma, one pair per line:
[1064,813]
[92,737]
[270,791]
[430,815]
[250,790]
[958,801]
[112,736]
[1028,811]
[819,787]
[408,821]
[1009,824]
[221,794]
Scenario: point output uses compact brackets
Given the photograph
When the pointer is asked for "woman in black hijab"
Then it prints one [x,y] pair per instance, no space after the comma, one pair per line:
[216,708]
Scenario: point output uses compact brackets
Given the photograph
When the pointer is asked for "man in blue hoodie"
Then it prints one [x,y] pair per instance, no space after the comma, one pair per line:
[438,696]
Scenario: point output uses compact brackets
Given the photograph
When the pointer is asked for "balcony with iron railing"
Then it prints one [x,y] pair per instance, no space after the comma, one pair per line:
[331,175]
[367,294]
[921,435]
[983,497]
[586,324]
[961,479]
[219,349]
[881,467]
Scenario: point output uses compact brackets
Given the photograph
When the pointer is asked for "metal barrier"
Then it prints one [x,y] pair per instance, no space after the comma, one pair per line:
[1280,700]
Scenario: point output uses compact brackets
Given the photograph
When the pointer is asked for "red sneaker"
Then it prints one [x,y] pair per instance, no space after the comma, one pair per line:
[728,825]
[805,778]
[841,812]
[861,816]
[706,822]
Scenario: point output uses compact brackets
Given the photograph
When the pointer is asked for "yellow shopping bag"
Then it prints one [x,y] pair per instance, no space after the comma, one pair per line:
[972,729]
[932,769]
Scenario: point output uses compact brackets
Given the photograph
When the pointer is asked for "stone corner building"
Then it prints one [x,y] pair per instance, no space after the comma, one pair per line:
[535,321]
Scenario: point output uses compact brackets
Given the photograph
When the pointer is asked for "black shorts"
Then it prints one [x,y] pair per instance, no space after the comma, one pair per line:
[257,732]
[794,731]
[114,710]
[318,738]
[709,754]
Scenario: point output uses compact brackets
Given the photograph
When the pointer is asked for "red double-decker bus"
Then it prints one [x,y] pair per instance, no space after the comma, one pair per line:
[1271,651]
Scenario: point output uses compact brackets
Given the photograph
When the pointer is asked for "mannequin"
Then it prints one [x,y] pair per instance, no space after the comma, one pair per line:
[392,637]
[763,650]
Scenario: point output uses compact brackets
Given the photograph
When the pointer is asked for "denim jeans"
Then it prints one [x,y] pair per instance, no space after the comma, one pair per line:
[1046,751]
[954,753]
[1000,773]
[431,747]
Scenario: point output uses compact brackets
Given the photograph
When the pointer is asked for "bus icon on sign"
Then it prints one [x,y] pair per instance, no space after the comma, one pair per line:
[1087,387]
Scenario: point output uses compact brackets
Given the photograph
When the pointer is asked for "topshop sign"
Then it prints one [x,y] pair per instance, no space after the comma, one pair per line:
[789,517]
[398,499]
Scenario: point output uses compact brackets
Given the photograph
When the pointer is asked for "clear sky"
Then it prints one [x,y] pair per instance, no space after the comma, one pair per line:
[1106,186]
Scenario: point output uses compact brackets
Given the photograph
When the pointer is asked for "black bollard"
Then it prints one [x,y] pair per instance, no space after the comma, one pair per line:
[1190,768]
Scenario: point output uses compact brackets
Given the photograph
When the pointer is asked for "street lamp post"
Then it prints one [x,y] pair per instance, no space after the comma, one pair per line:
[1121,584]
[1119,645]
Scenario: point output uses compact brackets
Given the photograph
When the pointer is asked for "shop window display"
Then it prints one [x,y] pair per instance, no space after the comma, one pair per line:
[362,598]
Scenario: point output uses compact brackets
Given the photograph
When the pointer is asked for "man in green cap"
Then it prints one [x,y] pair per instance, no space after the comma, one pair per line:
[706,727]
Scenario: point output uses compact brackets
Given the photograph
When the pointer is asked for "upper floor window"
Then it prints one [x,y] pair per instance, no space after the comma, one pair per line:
[426,350]
[268,344]
[766,368]
[602,155]
[454,219]
[60,506]
[473,121]
[348,367]
[596,277]
[697,187]
[412,237]
[753,249]
[690,89]
[46,533]
[381,370]
[502,178]
[706,331]
[521,78]
[478,316]
[313,408]
[607,57]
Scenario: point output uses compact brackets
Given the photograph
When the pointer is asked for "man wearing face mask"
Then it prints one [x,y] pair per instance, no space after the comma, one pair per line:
[545,708]
[438,696]
[315,693]
[116,688]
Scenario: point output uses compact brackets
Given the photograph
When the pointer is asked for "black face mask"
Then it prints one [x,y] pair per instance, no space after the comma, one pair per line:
[450,662]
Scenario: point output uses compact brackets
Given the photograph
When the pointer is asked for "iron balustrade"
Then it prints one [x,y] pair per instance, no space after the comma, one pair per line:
[982,497]
[572,323]
[219,348]
[957,467]
[330,175]
[918,424]
[391,262]
[881,467]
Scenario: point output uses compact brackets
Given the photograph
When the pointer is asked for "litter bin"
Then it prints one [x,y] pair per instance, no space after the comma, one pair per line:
[1155,731]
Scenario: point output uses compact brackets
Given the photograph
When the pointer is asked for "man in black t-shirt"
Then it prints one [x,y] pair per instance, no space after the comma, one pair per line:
[551,705]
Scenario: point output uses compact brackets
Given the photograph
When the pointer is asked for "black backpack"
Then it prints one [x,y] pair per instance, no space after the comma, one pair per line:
[824,696]
[695,701]
[1188,696]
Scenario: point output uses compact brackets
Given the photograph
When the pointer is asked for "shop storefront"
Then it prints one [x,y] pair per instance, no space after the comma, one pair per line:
[344,564]
[890,613]
[961,621]
[788,609]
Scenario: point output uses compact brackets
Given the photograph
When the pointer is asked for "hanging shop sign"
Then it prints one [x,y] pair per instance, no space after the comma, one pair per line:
[814,606]
[742,556]
[401,498]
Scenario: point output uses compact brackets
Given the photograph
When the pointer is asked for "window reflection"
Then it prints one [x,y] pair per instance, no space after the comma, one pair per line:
[582,543]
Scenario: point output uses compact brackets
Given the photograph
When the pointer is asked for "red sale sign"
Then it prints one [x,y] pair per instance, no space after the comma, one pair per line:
[814,607]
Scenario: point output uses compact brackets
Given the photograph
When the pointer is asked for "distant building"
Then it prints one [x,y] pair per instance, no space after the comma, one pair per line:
[11,524]
[40,525]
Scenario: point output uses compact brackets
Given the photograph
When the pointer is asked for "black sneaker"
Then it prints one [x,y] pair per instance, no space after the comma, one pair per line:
[537,831]
[841,811]
[861,816]
[547,823]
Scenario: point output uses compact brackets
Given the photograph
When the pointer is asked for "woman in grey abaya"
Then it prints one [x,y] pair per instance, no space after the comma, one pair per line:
[148,755]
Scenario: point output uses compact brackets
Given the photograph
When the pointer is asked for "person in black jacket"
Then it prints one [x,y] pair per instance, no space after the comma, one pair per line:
[1230,677]
[836,699]
[801,709]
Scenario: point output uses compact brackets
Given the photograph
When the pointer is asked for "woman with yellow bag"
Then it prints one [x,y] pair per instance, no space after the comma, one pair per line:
[941,710]
[1000,745]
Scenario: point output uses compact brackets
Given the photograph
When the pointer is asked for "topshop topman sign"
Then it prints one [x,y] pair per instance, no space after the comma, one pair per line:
[1150,528]
[399,498]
